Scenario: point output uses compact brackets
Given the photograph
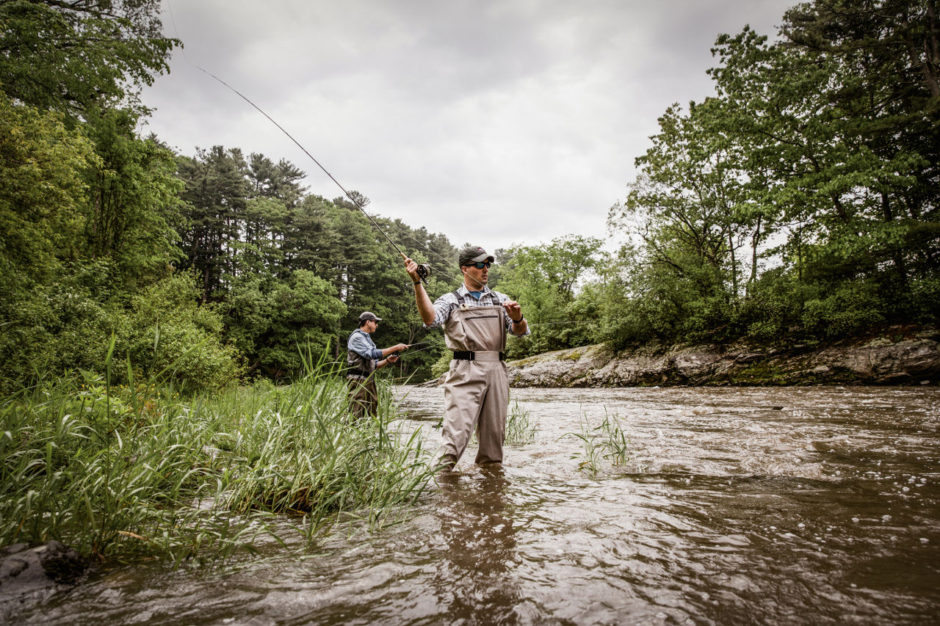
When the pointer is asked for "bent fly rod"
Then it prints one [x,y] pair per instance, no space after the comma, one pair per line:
[424,269]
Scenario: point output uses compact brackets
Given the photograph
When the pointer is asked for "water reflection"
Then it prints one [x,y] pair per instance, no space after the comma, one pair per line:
[474,582]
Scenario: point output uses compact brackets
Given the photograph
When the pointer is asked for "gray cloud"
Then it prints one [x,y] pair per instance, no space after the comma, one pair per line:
[495,122]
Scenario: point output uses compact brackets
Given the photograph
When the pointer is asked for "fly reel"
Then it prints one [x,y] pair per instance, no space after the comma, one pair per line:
[423,271]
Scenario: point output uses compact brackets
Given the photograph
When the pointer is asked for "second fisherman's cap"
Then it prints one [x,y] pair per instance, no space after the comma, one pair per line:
[474,254]
[366,316]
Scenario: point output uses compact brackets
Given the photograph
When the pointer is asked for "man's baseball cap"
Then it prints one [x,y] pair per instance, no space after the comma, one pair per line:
[474,254]
[369,316]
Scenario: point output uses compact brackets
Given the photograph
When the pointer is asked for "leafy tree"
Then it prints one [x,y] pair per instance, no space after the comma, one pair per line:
[694,208]
[134,203]
[849,133]
[888,54]
[42,193]
[544,280]
[216,192]
[82,54]
[86,207]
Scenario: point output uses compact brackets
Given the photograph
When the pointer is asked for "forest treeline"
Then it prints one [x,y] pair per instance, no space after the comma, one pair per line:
[797,204]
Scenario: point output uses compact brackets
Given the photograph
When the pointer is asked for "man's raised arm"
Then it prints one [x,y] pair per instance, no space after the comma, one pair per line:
[425,308]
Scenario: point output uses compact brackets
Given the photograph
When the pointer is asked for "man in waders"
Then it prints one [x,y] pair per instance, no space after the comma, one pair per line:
[476,321]
[363,358]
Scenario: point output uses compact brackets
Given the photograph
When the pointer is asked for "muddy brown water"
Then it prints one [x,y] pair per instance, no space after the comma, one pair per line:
[730,506]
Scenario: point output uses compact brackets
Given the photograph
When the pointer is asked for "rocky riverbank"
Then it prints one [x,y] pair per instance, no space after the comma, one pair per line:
[901,358]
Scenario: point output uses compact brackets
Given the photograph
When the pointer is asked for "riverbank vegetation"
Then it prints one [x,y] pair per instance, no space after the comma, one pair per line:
[120,472]
[797,205]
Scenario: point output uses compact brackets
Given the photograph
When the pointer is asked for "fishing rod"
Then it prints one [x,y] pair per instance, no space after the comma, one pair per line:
[415,347]
[424,269]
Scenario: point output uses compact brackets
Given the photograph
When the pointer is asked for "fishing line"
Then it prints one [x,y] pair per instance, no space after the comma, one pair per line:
[445,261]
[423,271]
[559,321]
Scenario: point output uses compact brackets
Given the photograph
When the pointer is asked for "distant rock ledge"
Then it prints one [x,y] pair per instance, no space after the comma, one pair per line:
[898,359]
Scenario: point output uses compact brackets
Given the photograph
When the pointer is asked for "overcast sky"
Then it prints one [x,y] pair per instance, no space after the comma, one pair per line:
[492,122]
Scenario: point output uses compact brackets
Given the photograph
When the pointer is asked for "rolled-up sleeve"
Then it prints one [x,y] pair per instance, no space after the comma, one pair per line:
[442,308]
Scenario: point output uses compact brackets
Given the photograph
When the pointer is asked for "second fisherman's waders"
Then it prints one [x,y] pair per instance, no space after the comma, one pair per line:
[476,390]
[360,377]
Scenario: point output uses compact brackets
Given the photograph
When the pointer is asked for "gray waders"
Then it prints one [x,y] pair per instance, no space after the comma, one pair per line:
[476,390]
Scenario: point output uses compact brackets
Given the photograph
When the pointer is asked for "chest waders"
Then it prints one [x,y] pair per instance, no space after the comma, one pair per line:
[476,390]
[363,394]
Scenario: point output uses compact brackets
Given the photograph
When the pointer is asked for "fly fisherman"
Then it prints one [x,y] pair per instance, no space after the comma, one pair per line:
[476,321]
[363,359]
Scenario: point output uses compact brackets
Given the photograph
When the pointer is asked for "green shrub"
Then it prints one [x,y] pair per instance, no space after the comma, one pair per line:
[56,327]
[772,307]
[851,308]
[442,365]
[267,319]
[924,300]
[169,335]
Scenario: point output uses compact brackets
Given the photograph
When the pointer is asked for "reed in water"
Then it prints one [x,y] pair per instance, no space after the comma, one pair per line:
[606,441]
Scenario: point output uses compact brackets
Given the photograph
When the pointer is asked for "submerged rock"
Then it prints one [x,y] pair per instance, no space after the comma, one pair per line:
[26,571]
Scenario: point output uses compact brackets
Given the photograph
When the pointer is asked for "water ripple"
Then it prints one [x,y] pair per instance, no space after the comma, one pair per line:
[791,505]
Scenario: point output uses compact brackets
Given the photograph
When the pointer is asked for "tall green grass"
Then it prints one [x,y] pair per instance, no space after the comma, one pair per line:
[123,472]
[605,442]
[520,428]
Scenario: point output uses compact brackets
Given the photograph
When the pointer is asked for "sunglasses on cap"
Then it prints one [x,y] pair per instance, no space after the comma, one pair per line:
[480,264]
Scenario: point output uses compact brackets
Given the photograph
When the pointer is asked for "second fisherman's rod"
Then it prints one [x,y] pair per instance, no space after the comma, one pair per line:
[424,270]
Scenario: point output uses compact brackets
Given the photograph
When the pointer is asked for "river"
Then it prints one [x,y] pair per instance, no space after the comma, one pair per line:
[814,505]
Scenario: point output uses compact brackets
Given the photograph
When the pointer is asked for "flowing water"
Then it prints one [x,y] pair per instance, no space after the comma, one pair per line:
[721,506]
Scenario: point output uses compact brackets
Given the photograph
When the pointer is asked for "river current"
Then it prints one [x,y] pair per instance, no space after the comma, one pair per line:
[815,505]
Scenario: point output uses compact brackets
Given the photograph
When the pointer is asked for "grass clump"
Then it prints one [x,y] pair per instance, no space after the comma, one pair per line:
[604,442]
[296,455]
[124,472]
[519,427]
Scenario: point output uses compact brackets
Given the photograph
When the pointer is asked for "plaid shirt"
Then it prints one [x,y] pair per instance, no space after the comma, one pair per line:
[444,305]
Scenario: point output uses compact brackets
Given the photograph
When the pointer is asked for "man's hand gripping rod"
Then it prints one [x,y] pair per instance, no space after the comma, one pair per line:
[423,271]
